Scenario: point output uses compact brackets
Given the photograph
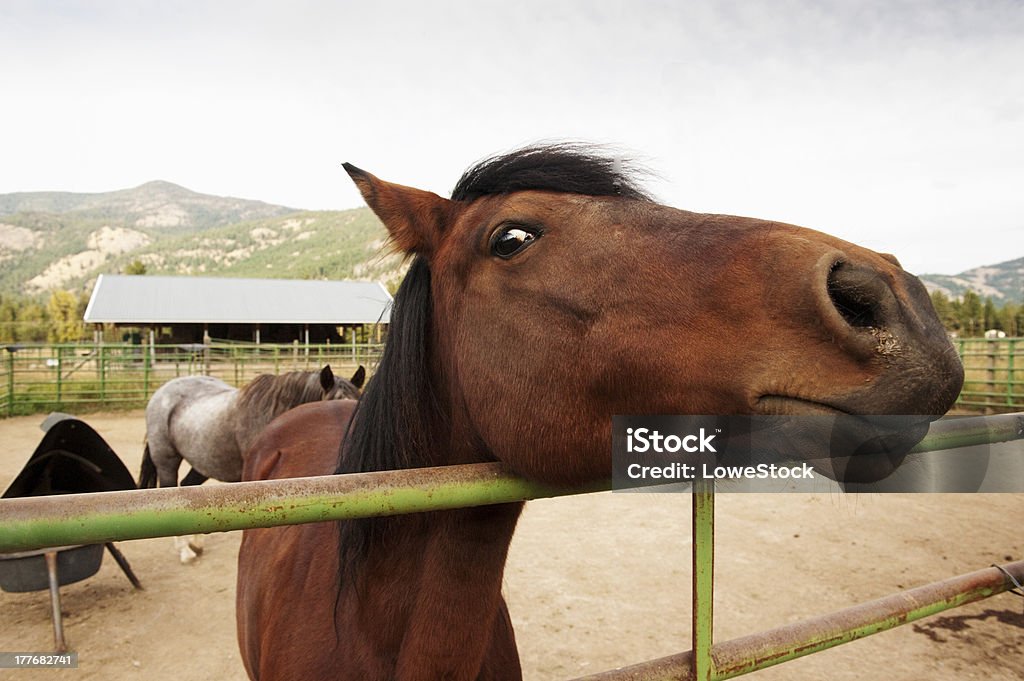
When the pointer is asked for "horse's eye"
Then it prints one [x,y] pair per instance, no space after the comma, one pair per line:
[512,240]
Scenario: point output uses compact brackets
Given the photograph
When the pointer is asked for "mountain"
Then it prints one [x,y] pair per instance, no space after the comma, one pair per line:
[157,205]
[1004,282]
[64,240]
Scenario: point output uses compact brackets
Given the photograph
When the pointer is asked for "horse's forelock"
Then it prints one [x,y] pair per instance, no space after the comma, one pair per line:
[571,168]
[343,389]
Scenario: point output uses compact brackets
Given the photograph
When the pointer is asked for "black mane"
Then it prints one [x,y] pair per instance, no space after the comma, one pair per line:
[398,412]
[565,167]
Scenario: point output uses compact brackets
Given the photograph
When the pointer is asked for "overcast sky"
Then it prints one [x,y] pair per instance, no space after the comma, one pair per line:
[898,125]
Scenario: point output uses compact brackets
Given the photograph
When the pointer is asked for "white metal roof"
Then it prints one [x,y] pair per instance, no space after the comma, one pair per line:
[145,299]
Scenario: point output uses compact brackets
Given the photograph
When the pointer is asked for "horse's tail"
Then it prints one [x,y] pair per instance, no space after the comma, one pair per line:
[147,476]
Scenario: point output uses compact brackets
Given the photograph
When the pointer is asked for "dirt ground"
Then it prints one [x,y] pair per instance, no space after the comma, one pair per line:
[593,582]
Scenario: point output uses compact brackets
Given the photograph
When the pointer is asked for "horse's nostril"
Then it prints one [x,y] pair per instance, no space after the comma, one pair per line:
[855,295]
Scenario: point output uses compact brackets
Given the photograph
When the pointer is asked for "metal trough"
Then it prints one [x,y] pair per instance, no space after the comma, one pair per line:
[71,458]
[26,571]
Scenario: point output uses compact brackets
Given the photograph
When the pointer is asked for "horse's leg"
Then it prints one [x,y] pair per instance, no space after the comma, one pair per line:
[193,477]
[193,543]
[190,547]
[167,461]
[187,551]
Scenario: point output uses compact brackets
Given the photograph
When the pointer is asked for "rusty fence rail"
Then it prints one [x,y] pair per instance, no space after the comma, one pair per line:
[39,522]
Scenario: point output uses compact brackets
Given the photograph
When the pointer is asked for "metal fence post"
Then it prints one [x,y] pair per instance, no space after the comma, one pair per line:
[60,374]
[703,578]
[1010,382]
[10,383]
[103,372]
[992,353]
[147,365]
[963,360]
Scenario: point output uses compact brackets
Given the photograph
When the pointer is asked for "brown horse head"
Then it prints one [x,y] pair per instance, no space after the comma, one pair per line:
[550,293]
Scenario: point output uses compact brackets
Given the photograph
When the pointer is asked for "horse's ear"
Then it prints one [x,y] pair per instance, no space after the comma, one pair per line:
[414,218]
[327,378]
[359,377]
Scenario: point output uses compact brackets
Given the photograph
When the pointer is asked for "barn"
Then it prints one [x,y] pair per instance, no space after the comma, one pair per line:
[169,309]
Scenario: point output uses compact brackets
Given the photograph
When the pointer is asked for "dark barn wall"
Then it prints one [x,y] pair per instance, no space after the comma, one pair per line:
[246,333]
[273,333]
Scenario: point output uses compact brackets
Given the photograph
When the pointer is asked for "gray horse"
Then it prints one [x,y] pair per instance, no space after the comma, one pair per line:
[205,421]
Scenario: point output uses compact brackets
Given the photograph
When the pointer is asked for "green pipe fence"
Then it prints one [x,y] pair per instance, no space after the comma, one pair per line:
[768,648]
[993,374]
[39,522]
[77,377]
[703,562]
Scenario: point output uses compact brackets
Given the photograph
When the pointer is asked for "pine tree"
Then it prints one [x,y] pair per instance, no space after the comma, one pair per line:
[971,314]
[989,316]
[65,323]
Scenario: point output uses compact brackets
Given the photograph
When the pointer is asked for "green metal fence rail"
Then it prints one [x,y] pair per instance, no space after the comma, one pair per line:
[42,378]
[39,522]
[993,374]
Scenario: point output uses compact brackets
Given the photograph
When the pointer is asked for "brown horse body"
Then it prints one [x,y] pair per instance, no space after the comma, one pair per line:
[437,575]
[547,295]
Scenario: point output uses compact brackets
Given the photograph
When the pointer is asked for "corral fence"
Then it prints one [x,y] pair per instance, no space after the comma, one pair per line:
[40,522]
[43,378]
[994,374]
[80,377]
